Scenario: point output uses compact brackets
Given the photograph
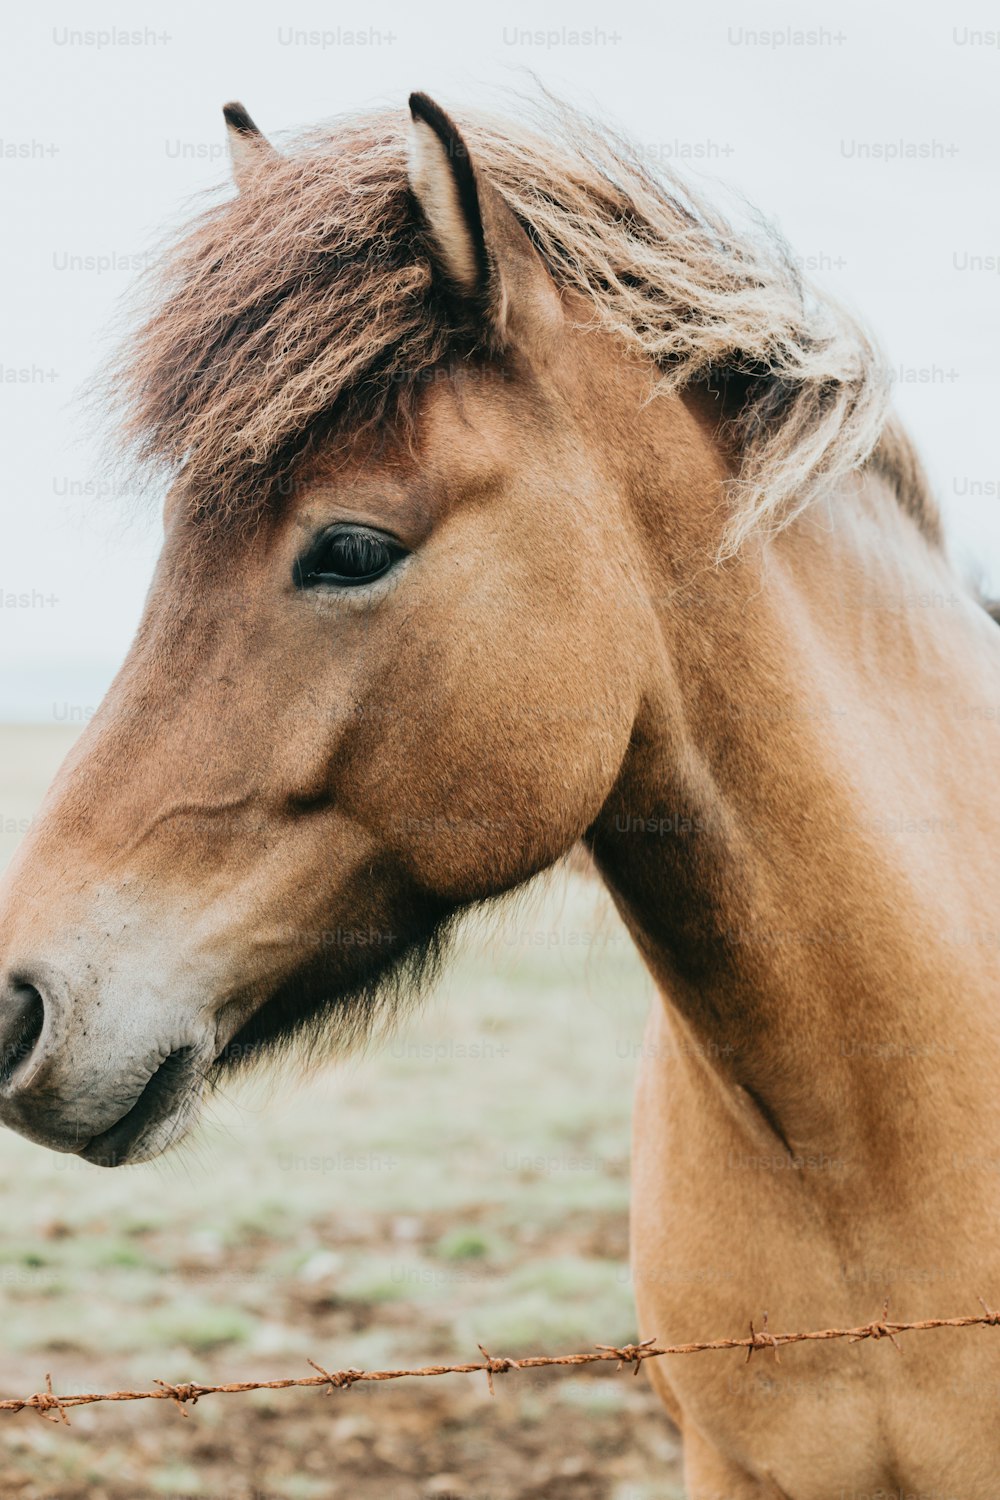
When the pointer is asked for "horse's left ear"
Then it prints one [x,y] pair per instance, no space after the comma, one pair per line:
[248,147]
[480,250]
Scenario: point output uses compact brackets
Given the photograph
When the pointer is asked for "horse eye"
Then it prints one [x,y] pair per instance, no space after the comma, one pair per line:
[347,556]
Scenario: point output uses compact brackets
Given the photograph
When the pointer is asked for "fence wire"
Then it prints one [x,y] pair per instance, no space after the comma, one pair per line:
[54,1407]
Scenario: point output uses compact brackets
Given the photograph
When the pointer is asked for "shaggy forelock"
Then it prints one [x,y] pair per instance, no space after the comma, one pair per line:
[306,307]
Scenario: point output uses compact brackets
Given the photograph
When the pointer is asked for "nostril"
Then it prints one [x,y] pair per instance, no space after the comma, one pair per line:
[22,1017]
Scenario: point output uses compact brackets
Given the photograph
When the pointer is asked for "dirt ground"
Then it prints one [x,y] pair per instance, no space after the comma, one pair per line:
[587,1436]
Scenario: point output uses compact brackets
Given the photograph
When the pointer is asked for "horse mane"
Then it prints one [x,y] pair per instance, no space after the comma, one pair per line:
[305,306]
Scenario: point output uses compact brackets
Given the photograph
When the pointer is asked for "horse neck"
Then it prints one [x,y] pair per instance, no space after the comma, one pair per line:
[801,838]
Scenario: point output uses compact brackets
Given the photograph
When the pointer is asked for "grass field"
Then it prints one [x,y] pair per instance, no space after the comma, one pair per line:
[465,1182]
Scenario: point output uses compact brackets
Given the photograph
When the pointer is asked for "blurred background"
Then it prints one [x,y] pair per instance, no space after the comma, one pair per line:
[468,1181]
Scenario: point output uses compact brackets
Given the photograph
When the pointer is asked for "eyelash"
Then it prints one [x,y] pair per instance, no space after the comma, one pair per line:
[321,566]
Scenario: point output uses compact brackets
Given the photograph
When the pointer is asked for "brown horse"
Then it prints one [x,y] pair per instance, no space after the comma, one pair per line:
[516,499]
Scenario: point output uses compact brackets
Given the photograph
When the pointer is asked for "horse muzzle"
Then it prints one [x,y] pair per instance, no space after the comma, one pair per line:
[103,1084]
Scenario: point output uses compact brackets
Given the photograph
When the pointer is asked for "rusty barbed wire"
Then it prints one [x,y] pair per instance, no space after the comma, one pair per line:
[54,1407]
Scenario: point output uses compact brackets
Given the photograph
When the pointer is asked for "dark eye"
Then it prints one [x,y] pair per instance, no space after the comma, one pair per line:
[347,556]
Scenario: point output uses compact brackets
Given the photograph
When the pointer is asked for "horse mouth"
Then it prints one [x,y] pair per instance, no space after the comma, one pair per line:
[157,1119]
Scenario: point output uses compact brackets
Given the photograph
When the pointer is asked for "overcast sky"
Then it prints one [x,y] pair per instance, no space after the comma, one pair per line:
[868,132]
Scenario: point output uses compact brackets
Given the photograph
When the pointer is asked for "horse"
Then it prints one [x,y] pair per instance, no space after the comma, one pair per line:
[518,500]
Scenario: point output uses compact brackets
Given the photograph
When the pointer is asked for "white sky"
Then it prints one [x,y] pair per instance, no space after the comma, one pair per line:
[104,146]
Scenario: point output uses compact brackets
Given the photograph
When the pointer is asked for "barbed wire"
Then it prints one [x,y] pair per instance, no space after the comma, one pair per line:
[54,1407]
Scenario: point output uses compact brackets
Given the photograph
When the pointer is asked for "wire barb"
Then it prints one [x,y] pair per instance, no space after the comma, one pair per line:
[629,1354]
[495,1367]
[340,1380]
[762,1340]
[882,1329]
[992,1319]
[180,1394]
[47,1404]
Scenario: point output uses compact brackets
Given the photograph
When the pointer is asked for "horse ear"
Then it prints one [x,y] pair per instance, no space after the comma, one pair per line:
[480,250]
[247,146]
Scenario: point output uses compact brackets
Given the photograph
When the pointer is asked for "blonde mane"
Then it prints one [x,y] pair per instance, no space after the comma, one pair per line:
[306,305]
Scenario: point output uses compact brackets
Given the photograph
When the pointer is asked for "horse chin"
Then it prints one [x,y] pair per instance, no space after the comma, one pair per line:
[334,1004]
[160,1117]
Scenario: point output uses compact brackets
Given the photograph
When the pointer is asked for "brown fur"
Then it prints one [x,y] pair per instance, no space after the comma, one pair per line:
[782,763]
